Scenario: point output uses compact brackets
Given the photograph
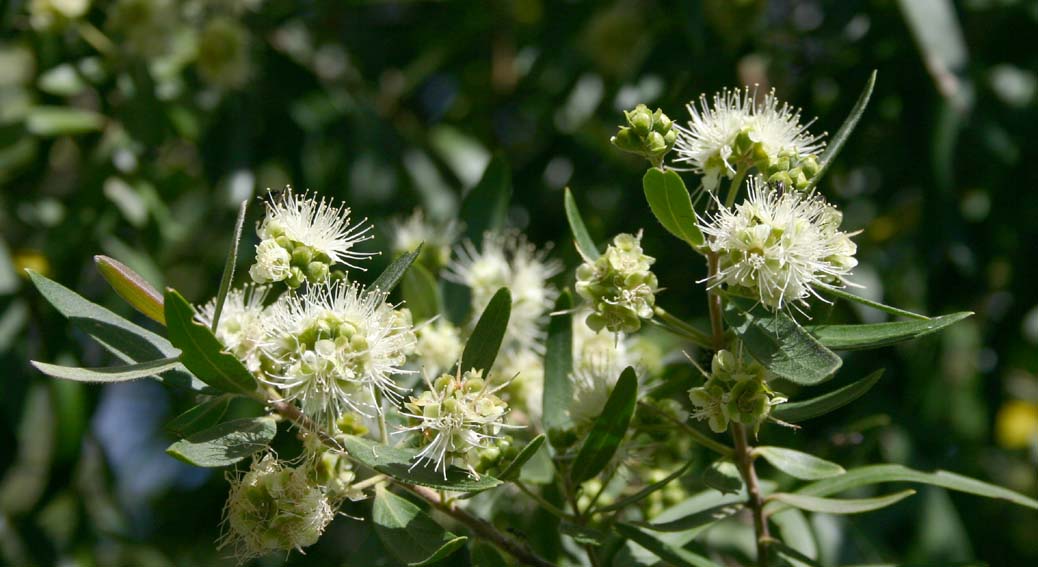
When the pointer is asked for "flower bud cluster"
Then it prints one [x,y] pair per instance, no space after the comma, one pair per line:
[301,238]
[735,391]
[460,419]
[648,134]
[274,507]
[619,286]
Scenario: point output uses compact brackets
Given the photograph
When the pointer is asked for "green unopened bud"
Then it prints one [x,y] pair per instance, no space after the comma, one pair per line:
[317,272]
[302,256]
[782,178]
[640,120]
[810,166]
[647,133]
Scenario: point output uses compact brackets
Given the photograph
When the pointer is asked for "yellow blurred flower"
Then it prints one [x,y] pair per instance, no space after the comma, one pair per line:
[34,260]
[1016,425]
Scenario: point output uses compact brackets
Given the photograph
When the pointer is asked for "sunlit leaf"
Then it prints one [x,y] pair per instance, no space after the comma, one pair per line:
[875,335]
[677,556]
[513,469]
[608,430]
[201,352]
[140,294]
[485,340]
[387,280]
[110,374]
[671,204]
[226,443]
[581,238]
[797,464]
[837,505]
[795,412]
[228,267]
[836,143]
[421,293]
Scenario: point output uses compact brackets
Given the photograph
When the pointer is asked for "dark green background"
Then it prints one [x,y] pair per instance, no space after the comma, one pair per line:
[388,106]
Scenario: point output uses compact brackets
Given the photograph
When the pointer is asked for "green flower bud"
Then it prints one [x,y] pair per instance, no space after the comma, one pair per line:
[648,134]
[747,403]
[619,286]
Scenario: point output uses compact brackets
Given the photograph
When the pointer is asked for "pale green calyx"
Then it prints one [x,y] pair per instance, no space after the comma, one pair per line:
[647,133]
[460,421]
[619,286]
[274,508]
[736,390]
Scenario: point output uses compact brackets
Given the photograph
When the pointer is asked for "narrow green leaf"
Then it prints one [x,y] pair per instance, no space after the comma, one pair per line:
[62,121]
[127,341]
[794,556]
[109,374]
[677,556]
[513,469]
[697,519]
[558,365]
[408,532]
[876,474]
[840,506]
[671,204]
[484,208]
[722,475]
[875,335]
[229,264]
[836,143]
[389,277]
[795,412]
[796,534]
[625,501]
[581,238]
[841,294]
[200,417]
[421,293]
[485,340]
[780,343]
[485,555]
[130,286]
[226,443]
[797,464]
[202,353]
[584,535]
[608,430]
[399,463]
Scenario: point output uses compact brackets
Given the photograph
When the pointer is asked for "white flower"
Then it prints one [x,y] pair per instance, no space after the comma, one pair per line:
[737,131]
[273,263]
[525,392]
[241,329]
[313,233]
[335,347]
[600,358]
[509,260]
[408,233]
[779,245]
[458,417]
[273,508]
[439,346]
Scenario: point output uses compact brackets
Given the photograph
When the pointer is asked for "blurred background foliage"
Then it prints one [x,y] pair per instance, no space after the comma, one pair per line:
[132,128]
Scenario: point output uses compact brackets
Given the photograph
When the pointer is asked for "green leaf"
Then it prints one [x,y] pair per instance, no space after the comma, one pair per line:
[130,286]
[696,519]
[202,353]
[797,535]
[835,144]
[226,443]
[389,277]
[62,121]
[199,417]
[797,464]
[780,343]
[722,475]
[608,430]
[408,532]
[485,555]
[127,341]
[677,556]
[485,340]
[876,474]
[875,335]
[670,202]
[839,506]
[581,238]
[399,463]
[796,412]
[644,492]
[228,267]
[421,293]
[485,206]
[558,365]
[109,374]
[841,294]
[584,535]
[513,469]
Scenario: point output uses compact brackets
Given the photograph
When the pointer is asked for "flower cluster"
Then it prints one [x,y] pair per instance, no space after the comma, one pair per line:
[619,286]
[337,348]
[779,245]
[736,390]
[301,237]
[648,134]
[738,132]
[273,507]
[460,421]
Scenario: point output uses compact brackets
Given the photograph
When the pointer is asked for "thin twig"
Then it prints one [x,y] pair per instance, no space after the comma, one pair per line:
[743,457]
